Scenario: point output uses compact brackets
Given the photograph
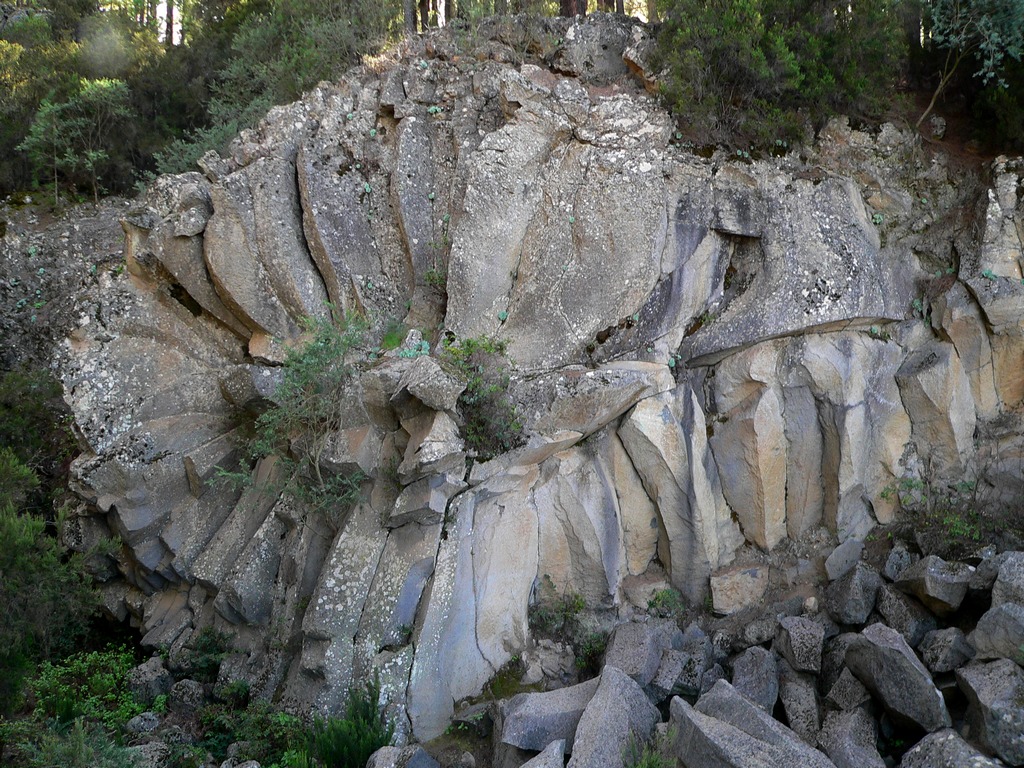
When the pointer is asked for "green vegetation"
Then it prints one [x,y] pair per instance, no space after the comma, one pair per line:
[348,742]
[91,685]
[207,651]
[562,616]
[308,408]
[657,753]
[753,72]
[491,424]
[667,604]
[45,596]
[985,32]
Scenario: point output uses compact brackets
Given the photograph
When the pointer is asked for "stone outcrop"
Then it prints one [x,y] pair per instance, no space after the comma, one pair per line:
[705,354]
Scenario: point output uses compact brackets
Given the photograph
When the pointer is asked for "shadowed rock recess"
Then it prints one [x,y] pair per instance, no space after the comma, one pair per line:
[712,357]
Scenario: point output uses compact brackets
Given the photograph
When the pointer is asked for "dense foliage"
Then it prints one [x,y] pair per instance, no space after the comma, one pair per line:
[45,597]
[757,71]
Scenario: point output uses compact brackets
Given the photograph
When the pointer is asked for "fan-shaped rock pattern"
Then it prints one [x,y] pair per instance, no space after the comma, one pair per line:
[706,351]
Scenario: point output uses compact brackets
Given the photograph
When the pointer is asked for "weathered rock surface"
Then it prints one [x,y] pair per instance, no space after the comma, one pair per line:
[848,738]
[618,714]
[999,633]
[707,352]
[755,674]
[535,720]
[887,666]
[946,749]
[851,599]
[726,729]
[941,586]
[995,716]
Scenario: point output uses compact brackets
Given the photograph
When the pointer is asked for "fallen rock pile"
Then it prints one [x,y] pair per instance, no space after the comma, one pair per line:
[915,666]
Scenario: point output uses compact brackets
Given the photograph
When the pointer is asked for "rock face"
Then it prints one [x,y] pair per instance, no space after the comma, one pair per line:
[707,352]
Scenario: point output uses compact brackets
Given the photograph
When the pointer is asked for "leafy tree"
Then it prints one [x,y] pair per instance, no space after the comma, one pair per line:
[74,139]
[757,71]
[45,598]
[985,31]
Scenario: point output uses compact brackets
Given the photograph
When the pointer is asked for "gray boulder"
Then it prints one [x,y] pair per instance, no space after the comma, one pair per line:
[851,599]
[897,562]
[944,650]
[941,586]
[1009,584]
[413,756]
[186,697]
[149,680]
[887,666]
[833,660]
[999,633]
[681,671]
[534,720]
[723,705]
[800,702]
[153,754]
[848,738]
[843,558]
[706,742]
[847,692]
[946,749]
[799,640]
[904,614]
[552,756]
[619,714]
[147,722]
[995,707]
[636,649]
[987,571]
[755,674]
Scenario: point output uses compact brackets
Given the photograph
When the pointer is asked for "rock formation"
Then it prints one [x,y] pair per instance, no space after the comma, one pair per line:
[711,354]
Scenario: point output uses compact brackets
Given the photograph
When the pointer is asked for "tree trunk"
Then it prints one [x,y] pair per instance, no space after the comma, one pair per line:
[169,39]
[620,7]
[409,12]
[652,11]
[572,7]
[424,15]
[608,6]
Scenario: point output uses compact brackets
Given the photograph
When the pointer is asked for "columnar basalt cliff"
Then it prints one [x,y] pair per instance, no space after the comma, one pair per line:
[712,354]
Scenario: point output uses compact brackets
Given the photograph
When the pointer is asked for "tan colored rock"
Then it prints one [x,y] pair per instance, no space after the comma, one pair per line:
[959,316]
[256,253]
[336,606]
[581,546]
[475,616]
[1008,366]
[666,438]
[738,587]
[435,446]
[637,513]
[937,396]
[584,401]
[750,449]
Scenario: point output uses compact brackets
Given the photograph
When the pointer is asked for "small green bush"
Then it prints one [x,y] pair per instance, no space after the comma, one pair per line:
[308,407]
[93,685]
[266,734]
[208,650]
[491,426]
[348,742]
[667,604]
[78,745]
